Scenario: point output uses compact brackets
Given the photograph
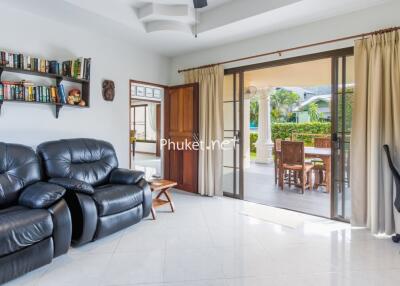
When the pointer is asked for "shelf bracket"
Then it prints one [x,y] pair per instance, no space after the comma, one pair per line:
[58,108]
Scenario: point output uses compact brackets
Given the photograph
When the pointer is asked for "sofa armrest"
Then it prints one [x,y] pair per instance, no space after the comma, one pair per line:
[73,185]
[125,176]
[41,195]
[147,197]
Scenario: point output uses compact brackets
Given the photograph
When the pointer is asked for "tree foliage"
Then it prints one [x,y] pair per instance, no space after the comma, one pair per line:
[254,107]
[313,112]
[281,103]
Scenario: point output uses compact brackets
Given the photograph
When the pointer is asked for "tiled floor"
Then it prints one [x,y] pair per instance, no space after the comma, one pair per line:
[260,187]
[208,241]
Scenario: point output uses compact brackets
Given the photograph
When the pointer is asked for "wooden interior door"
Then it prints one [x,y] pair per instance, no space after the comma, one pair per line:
[181,106]
[158,129]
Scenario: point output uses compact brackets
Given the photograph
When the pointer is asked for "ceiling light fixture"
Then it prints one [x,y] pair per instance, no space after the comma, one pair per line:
[198,4]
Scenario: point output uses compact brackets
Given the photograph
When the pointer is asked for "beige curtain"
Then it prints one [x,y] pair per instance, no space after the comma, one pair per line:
[376,121]
[211,126]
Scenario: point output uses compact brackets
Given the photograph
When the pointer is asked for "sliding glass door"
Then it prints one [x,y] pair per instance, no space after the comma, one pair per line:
[343,91]
[257,111]
[232,163]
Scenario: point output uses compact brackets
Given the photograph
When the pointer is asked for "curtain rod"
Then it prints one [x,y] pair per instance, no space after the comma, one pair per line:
[279,52]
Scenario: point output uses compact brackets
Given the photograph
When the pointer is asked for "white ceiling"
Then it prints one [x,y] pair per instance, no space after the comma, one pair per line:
[211,3]
[222,22]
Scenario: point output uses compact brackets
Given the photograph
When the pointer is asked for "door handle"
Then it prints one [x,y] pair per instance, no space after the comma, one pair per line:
[196,137]
[236,137]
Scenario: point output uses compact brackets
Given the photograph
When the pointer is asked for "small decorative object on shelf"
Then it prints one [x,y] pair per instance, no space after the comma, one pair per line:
[75,95]
[108,90]
[77,71]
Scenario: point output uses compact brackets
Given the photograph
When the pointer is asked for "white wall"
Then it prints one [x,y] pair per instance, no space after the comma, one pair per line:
[111,59]
[368,20]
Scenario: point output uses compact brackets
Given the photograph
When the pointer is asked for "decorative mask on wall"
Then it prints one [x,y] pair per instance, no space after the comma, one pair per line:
[108,90]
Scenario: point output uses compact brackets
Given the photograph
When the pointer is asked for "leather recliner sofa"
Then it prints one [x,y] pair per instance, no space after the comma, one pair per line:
[35,222]
[102,198]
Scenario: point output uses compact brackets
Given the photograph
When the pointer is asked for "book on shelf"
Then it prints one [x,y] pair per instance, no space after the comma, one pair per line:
[27,91]
[61,94]
[1,92]
[78,68]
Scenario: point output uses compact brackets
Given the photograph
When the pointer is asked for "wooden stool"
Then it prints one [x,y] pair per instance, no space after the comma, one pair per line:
[163,187]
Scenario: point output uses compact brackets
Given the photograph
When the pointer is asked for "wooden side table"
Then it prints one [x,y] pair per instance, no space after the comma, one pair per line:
[163,187]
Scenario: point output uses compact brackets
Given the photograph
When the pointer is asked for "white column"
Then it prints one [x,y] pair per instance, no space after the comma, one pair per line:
[264,143]
[246,131]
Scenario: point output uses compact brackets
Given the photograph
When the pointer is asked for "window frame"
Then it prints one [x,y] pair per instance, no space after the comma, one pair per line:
[133,107]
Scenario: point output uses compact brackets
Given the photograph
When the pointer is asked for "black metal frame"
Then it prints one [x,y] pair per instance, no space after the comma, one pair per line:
[237,98]
[339,136]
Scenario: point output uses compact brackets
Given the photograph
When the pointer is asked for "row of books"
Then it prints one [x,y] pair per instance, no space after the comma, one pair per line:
[78,68]
[27,91]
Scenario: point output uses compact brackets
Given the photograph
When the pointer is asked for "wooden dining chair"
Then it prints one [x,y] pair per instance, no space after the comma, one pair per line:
[293,161]
[319,168]
[277,153]
[322,142]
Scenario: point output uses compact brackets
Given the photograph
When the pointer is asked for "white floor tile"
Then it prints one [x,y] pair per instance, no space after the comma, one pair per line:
[192,264]
[84,269]
[209,242]
[135,268]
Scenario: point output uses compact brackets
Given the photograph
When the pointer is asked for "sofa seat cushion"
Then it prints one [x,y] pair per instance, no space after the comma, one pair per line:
[21,227]
[112,199]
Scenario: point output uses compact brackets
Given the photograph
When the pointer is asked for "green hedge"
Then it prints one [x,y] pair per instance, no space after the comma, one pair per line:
[285,130]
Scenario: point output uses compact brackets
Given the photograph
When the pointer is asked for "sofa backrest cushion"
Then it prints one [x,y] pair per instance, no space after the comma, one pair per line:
[87,160]
[19,167]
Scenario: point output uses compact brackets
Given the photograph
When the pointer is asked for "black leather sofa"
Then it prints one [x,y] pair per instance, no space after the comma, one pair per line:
[35,223]
[102,198]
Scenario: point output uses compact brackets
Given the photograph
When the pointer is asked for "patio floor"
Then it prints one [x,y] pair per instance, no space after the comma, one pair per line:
[259,187]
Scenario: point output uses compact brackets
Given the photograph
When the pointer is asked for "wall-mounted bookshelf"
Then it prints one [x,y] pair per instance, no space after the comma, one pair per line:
[51,99]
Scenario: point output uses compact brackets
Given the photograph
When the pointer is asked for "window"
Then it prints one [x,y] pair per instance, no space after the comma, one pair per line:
[144,122]
[146,91]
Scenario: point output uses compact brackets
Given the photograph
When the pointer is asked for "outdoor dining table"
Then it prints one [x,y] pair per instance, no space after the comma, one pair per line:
[325,155]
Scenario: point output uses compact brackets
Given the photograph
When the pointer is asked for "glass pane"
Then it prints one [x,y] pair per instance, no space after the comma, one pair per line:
[228,87]
[133,90]
[228,134]
[139,131]
[132,119]
[228,116]
[139,115]
[231,126]
[151,122]
[350,71]
[227,180]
